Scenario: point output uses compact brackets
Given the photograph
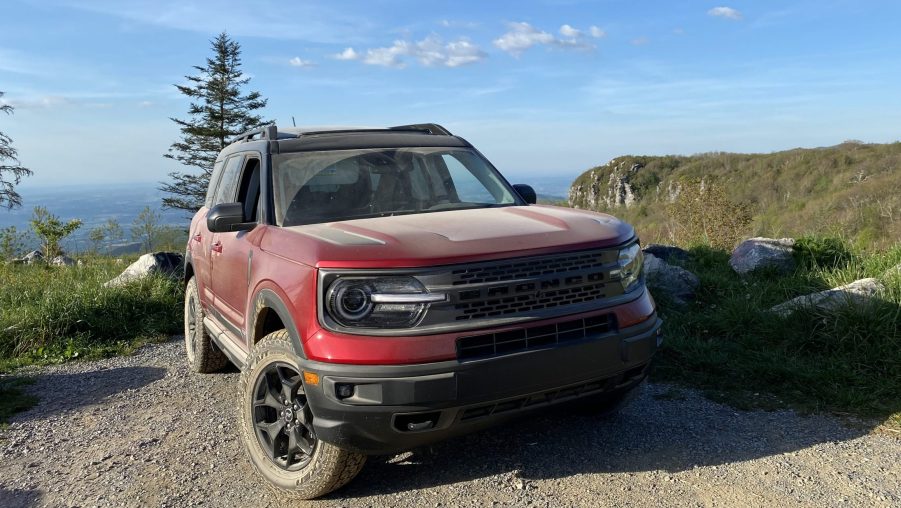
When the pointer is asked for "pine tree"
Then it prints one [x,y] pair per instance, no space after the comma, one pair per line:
[9,198]
[218,112]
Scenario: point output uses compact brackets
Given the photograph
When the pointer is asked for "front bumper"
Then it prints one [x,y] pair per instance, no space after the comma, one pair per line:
[399,407]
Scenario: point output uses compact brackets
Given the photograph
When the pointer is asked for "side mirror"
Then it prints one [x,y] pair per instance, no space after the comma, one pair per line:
[526,192]
[227,218]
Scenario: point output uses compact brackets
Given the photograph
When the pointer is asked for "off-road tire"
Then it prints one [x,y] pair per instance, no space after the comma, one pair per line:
[203,356]
[330,467]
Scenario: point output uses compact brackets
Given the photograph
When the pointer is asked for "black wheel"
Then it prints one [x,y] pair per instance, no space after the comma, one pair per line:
[276,424]
[203,355]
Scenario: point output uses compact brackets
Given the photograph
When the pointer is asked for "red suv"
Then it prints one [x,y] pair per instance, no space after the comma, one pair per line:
[383,289]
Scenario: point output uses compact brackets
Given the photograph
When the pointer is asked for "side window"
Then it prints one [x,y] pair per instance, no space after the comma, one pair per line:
[228,183]
[249,190]
[469,188]
[214,181]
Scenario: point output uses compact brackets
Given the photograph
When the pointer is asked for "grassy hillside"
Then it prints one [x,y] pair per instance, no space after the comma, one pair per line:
[852,190]
[50,314]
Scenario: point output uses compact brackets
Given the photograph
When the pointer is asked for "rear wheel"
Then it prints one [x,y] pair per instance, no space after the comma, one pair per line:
[277,426]
[203,355]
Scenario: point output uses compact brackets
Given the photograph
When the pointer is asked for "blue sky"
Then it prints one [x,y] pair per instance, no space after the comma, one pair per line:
[542,88]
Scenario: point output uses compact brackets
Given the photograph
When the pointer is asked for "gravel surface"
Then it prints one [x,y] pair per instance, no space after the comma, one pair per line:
[143,431]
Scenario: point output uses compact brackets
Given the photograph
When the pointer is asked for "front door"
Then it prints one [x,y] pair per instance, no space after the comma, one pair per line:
[232,255]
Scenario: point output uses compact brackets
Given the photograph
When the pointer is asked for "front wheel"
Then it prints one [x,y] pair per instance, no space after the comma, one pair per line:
[277,426]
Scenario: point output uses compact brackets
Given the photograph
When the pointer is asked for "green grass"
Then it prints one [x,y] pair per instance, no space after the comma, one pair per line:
[13,398]
[55,314]
[845,362]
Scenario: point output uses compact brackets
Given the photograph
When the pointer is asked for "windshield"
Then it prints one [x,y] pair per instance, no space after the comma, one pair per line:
[335,185]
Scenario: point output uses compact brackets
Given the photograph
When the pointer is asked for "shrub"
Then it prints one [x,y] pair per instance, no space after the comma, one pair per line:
[704,214]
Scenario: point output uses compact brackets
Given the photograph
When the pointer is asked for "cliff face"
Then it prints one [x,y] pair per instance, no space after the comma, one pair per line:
[605,188]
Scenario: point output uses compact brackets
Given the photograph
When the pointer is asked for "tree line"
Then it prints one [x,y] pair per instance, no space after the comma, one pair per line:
[49,231]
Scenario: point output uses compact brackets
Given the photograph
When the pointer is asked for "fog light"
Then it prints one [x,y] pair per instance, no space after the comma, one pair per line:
[344,390]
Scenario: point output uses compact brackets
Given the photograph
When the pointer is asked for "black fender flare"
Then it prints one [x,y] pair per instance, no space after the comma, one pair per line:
[267,298]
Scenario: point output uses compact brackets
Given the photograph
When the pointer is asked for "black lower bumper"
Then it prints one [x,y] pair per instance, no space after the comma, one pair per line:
[389,409]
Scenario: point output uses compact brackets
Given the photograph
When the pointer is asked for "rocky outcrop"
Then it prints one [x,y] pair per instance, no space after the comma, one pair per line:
[602,190]
[858,292]
[165,263]
[676,282]
[758,253]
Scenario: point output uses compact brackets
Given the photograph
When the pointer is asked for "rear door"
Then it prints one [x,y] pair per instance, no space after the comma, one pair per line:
[232,253]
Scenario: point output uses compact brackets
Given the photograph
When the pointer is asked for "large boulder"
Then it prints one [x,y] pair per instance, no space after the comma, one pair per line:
[33,257]
[676,282]
[166,263]
[668,253]
[757,253]
[858,292]
[62,260]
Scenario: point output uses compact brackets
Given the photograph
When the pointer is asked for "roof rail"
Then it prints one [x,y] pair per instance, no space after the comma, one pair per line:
[431,128]
[269,132]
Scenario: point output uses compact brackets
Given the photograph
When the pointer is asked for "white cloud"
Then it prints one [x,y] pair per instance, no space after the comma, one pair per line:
[299,62]
[568,31]
[596,32]
[640,41]
[430,52]
[388,57]
[725,12]
[521,36]
[347,54]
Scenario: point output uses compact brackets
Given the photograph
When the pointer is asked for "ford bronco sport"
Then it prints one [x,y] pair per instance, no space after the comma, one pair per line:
[383,289]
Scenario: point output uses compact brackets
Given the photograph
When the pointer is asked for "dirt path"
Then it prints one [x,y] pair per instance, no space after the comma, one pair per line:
[142,431]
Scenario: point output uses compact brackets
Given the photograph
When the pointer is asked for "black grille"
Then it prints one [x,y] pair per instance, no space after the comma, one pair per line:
[512,287]
[529,268]
[522,339]
[531,301]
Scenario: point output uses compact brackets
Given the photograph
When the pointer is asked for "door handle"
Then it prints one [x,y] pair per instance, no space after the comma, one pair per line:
[217,247]
[197,238]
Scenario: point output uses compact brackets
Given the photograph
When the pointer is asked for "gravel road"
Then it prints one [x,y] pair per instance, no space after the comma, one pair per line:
[143,431]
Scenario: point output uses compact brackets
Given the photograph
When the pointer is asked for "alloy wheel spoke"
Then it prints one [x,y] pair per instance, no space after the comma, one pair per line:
[304,443]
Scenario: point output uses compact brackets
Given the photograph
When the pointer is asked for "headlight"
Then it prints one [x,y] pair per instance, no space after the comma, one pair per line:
[378,302]
[631,260]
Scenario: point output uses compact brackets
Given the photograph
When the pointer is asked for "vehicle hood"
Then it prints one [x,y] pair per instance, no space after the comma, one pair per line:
[447,237]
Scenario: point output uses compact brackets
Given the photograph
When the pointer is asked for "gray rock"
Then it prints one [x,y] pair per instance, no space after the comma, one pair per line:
[668,253]
[31,258]
[858,292]
[678,283]
[62,261]
[166,263]
[757,253]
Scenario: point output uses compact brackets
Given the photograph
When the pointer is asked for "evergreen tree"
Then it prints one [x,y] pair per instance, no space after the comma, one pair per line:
[218,112]
[9,198]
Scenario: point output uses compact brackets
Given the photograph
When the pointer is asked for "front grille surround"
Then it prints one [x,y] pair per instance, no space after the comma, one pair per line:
[490,294]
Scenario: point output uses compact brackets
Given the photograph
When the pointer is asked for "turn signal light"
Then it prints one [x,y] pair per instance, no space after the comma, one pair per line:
[310,378]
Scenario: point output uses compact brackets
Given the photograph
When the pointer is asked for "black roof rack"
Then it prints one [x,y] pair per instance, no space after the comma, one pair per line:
[431,128]
[270,132]
[265,132]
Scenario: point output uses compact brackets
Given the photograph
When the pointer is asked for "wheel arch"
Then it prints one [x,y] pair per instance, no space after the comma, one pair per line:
[269,314]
